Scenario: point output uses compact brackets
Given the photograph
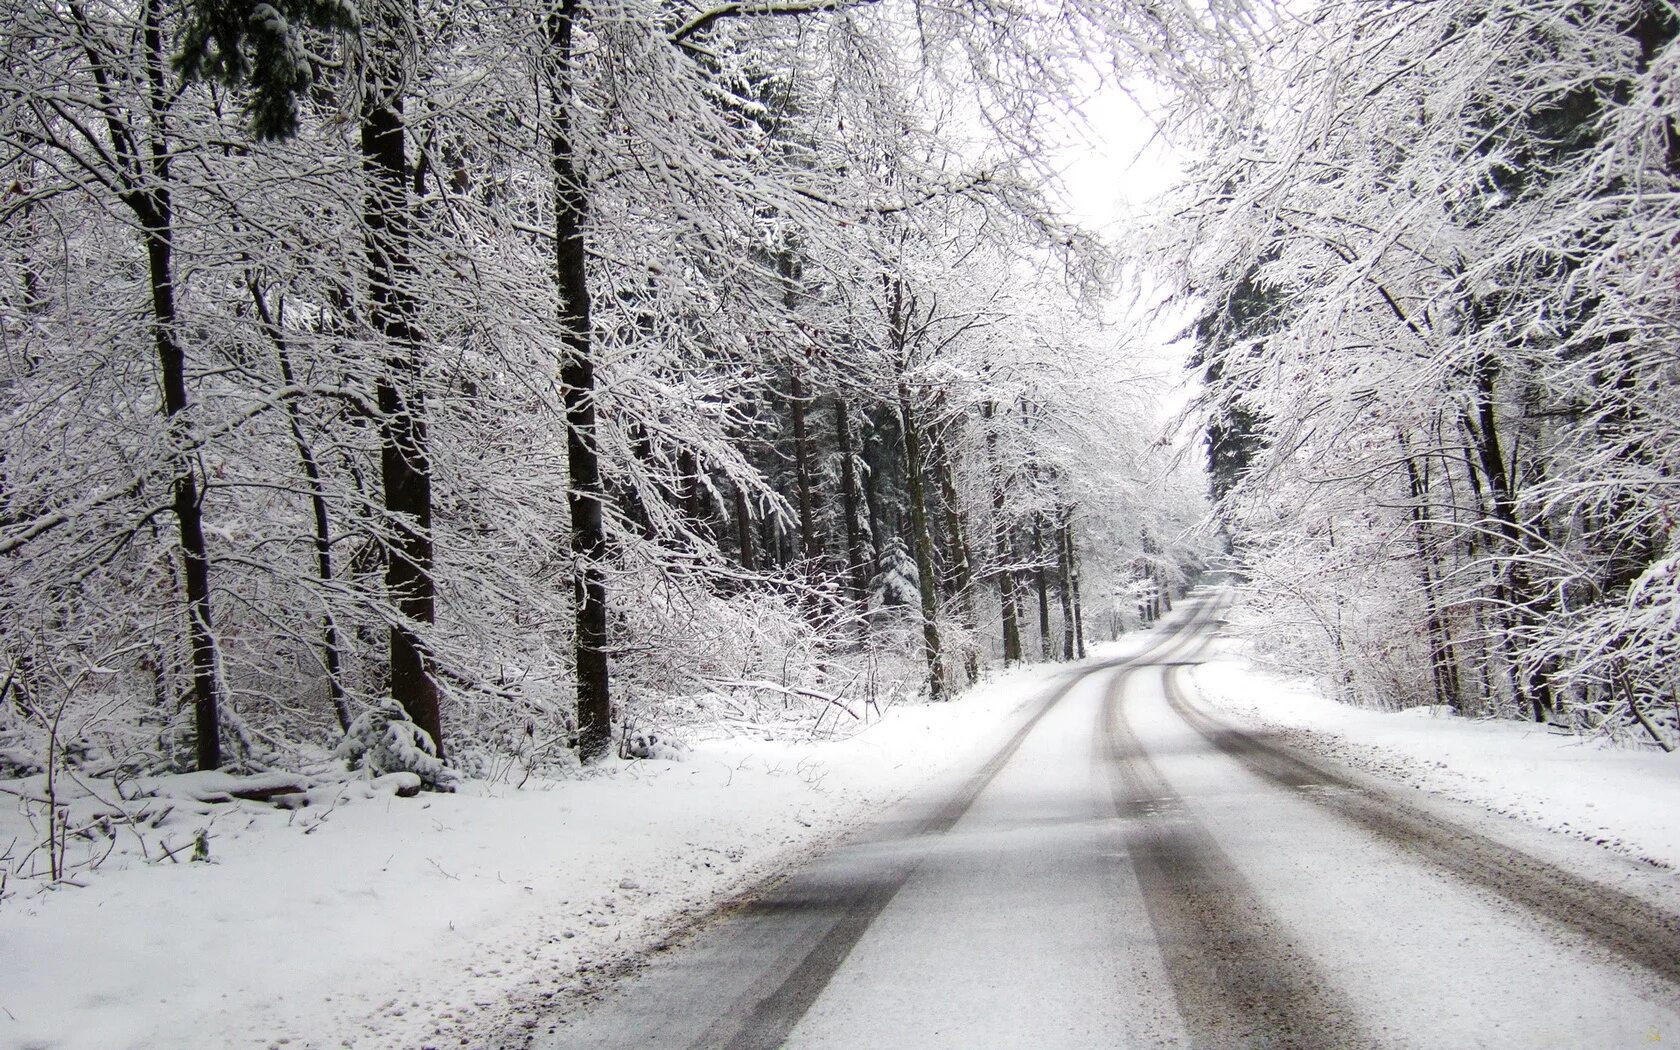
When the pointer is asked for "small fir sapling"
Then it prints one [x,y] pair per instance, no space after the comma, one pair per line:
[383,740]
[897,584]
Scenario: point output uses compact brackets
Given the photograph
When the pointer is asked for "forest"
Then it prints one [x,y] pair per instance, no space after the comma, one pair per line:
[471,388]
[1437,303]
[466,387]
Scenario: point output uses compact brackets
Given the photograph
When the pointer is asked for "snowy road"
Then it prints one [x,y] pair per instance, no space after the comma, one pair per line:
[1128,871]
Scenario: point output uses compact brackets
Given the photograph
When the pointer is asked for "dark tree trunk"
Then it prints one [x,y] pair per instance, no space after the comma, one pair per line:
[787,267]
[1001,546]
[797,405]
[1442,659]
[1151,571]
[403,454]
[881,453]
[785,554]
[1492,622]
[1532,688]
[189,518]
[1072,602]
[957,542]
[1040,579]
[627,496]
[1064,570]
[744,530]
[922,535]
[857,560]
[1010,606]
[577,380]
[692,496]
[154,209]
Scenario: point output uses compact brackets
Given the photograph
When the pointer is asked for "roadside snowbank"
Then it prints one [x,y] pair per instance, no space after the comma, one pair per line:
[440,920]
[1625,799]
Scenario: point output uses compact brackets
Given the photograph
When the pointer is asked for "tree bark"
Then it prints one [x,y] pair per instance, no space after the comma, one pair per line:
[797,402]
[403,455]
[787,268]
[1151,571]
[692,496]
[577,381]
[857,561]
[1064,569]
[189,511]
[957,542]
[924,543]
[1001,547]
[1077,608]
[1442,659]
[154,208]
[1043,584]
[744,530]
[1533,688]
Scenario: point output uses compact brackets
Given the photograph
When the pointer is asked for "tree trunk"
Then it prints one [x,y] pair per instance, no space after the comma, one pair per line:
[797,402]
[189,518]
[1533,688]
[957,542]
[577,380]
[875,479]
[1077,609]
[1151,572]
[744,529]
[154,209]
[924,543]
[1064,569]
[1001,546]
[403,454]
[1443,661]
[692,499]
[857,561]
[1043,584]
[1493,620]
[787,268]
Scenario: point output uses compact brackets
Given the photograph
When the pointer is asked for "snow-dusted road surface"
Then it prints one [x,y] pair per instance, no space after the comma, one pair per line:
[1127,871]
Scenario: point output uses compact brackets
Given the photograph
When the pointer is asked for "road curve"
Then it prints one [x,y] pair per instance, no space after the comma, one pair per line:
[1126,870]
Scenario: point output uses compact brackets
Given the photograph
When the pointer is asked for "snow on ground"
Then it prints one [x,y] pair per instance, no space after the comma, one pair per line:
[1623,798]
[450,920]
[440,920]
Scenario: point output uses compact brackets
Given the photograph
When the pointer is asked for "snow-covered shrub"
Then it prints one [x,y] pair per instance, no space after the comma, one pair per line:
[383,740]
[1339,613]
[648,744]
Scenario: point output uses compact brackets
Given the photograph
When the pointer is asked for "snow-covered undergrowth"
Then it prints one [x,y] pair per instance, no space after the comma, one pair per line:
[1621,796]
[365,919]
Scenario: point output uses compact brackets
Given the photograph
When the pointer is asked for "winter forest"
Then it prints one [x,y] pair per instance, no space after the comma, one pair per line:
[1437,288]
[478,390]
[499,383]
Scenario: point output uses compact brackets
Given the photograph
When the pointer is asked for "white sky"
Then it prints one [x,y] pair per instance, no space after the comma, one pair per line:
[1115,163]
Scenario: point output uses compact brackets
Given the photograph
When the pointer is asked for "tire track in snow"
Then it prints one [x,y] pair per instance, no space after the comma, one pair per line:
[1237,982]
[1619,924]
[779,999]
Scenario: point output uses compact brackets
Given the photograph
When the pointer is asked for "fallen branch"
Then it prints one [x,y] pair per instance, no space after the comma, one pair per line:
[1640,716]
[812,694]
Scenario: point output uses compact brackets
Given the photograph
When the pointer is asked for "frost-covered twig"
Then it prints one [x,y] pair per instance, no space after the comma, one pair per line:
[810,694]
